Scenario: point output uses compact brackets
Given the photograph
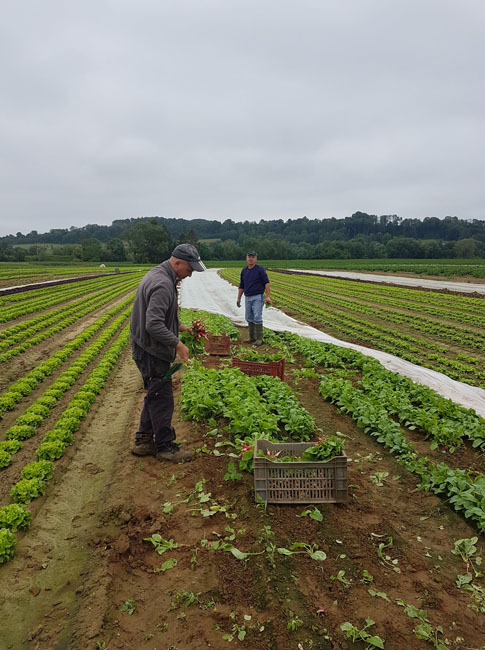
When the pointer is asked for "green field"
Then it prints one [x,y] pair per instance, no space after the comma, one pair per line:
[466,269]
[457,268]
[439,331]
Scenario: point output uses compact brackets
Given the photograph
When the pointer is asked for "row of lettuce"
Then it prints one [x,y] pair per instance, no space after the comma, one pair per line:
[35,475]
[21,272]
[26,425]
[20,337]
[465,367]
[28,302]
[23,387]
[69,307]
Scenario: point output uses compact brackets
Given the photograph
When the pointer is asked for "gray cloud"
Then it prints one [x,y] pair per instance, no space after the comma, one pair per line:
[240,109]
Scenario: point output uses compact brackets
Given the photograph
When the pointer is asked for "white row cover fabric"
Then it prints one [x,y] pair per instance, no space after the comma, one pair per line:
[462,287]
[210,292]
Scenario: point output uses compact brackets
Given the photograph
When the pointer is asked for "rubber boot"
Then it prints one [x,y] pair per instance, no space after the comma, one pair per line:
[252,335]
[258,332]
[144,445]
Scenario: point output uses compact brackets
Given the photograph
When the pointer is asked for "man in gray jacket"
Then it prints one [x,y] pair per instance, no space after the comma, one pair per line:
[154,338]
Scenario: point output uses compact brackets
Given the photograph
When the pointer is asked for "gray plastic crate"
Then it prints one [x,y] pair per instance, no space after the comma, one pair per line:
[299,481]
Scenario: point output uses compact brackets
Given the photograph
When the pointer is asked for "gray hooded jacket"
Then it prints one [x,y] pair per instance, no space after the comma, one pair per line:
[154,319]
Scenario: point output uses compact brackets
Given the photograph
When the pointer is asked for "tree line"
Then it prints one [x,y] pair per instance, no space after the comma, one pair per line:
[149,240]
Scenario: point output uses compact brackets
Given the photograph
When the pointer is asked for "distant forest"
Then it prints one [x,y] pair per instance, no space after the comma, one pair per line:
[150,239]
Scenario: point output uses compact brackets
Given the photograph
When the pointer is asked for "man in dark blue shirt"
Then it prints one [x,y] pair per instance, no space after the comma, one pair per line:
[254,284]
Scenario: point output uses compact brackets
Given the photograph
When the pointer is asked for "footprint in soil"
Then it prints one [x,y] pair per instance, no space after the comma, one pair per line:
[91,468]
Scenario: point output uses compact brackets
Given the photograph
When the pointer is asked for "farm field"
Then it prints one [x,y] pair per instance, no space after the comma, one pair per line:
[454,269]
[127,552]
[444,332]
[18,273]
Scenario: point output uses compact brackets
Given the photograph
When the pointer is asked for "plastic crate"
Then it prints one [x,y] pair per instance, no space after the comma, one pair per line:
[220,344]
[298,482]
[272,368]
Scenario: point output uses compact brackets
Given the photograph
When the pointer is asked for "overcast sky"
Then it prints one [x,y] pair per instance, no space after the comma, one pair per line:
[240,109]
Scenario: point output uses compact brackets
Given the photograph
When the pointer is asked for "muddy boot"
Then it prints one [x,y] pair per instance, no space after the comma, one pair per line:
[258,333]
[174,454]
[252,336]
[144,445]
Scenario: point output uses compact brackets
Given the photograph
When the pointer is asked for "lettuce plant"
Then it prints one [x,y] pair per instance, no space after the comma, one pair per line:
[7,544]
[43,469]
[20,432]
[15,516]
[27,489]
[11,446]
[50,450]
[5,458]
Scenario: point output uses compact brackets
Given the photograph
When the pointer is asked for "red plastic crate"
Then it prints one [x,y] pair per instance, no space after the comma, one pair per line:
[272,368]
[218,344]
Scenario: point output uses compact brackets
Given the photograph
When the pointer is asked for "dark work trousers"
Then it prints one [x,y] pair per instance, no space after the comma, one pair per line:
[156,416]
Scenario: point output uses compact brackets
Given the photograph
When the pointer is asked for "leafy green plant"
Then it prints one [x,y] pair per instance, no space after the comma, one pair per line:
[378,478]
[239,631]
[466,549]
[42,469]
[232,474]
[7,544]
[194,340]
[168,564]
[59,435]
[51,450]
[246,354]
[476,591]
[385,558]
[294,621]
[310,549]
[341,578]
[379,594]
[184,598]
[412,611]
[5,458]
[431,634]
[161,545]
[101,645]
[367,578]
[15,516]
[324,450]
[223,545]
[129,606]
[353,632]
[313,513]
[19,432]
[27,489]
[11,446]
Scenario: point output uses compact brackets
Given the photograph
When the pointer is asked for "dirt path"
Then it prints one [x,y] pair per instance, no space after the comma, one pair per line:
[85,559]
[43,585]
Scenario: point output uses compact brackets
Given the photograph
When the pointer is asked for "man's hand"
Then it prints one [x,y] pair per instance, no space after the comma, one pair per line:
[183,352]
[184,328]
[238,303]
[267,300]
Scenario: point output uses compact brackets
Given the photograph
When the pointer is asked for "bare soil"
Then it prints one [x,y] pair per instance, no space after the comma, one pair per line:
[85,560]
